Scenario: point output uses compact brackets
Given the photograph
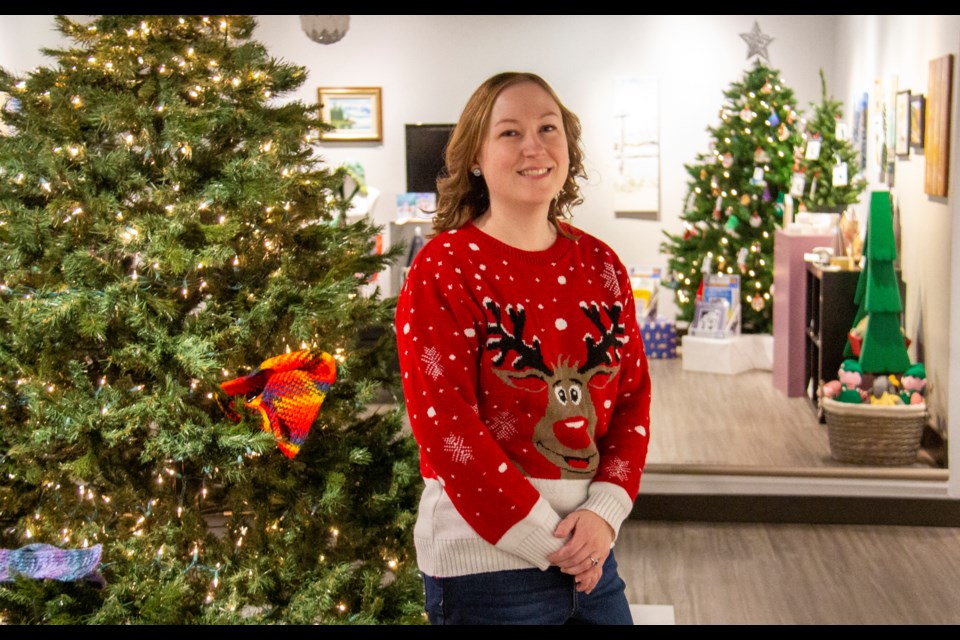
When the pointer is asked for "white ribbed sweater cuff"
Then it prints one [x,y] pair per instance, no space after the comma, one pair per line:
[532,538]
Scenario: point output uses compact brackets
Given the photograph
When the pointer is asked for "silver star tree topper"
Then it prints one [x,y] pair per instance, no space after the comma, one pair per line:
[757,42]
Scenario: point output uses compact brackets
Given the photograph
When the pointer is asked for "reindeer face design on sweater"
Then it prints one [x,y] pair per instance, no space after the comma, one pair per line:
[565,433]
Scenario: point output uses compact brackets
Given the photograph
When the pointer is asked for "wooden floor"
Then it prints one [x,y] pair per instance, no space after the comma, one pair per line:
[733,421]
[734,573]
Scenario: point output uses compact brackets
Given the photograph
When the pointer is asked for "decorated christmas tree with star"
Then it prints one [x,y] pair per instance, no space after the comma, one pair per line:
[736,193]
[192,346]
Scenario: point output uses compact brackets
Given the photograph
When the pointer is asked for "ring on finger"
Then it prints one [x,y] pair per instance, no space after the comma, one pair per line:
[594,561]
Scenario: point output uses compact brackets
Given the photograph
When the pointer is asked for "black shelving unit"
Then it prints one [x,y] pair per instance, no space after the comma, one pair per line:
[829,316]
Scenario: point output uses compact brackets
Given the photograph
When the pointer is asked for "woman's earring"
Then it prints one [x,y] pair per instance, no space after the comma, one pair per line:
[475,171]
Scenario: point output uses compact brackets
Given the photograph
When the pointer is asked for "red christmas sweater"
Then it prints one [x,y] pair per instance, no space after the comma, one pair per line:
[527,390]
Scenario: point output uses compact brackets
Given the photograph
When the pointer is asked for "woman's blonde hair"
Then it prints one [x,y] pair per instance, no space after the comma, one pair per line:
[462,196]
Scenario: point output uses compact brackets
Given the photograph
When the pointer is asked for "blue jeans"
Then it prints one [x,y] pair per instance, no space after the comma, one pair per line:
[527,596]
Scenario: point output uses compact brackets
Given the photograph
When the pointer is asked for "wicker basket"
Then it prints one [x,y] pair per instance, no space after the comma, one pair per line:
[872,434]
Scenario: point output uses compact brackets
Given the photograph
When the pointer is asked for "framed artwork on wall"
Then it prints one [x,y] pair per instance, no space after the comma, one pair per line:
[636,145]
[917,103]
[936,135]
[902,112]
[860,131]
[882,127]
[354,112]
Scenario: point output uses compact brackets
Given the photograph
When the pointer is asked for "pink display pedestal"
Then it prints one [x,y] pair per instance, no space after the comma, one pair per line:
[789,308]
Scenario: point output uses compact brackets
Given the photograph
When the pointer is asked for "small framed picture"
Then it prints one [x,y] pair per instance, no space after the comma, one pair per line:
[902,146]
[710,319]
[354,112]
[917,106]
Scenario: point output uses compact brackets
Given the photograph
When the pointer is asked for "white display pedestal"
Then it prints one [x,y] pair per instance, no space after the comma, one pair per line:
[731,355]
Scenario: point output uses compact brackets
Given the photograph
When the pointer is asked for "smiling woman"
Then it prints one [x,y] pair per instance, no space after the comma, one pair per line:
[464,193]
[524,376]
[524,162]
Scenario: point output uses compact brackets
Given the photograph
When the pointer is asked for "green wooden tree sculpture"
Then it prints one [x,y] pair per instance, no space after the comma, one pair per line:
[877,297]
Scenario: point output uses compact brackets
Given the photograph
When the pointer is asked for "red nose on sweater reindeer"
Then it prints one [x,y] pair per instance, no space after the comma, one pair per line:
[565,433]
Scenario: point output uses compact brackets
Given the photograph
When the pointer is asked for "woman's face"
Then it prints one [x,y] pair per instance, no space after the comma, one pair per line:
[524,156]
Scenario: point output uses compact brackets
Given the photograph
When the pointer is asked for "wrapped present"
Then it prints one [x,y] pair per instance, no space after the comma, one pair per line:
[659,338]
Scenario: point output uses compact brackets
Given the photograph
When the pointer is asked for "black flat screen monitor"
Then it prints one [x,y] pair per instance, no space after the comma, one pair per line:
[425,147]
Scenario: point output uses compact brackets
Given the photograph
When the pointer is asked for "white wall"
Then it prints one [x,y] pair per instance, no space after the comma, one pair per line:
[869,47]
[429,65]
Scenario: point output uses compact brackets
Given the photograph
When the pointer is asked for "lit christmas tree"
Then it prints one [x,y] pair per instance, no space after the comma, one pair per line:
[165,228]
[827,161]
[732,207]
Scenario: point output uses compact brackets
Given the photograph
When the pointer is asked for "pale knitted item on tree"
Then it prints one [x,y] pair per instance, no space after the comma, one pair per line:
[44,561]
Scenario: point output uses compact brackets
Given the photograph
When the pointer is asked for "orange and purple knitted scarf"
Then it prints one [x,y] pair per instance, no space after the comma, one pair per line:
[289,390]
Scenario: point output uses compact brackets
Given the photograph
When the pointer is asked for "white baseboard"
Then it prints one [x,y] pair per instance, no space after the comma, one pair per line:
[931,485]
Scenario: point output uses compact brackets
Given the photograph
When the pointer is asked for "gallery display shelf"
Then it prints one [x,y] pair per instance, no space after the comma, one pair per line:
[830,311]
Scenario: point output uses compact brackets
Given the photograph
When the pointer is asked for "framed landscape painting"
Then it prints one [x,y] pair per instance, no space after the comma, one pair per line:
[353,112]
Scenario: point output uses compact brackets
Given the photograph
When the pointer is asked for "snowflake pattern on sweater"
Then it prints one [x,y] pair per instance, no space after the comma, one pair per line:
[522,365]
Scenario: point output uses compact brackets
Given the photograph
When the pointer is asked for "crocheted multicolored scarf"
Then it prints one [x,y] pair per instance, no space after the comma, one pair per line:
[44,561]
[291,389]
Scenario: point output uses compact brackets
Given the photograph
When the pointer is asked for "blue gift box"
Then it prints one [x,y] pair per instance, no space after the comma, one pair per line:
[659,338]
